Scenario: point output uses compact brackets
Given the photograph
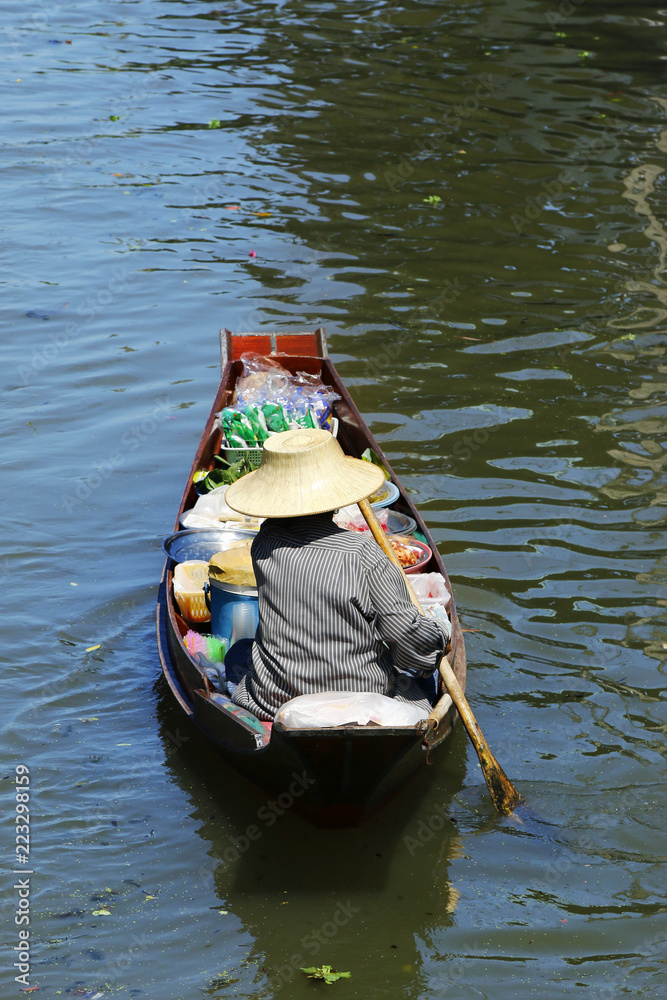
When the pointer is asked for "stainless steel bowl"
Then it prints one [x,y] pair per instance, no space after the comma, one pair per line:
[202,543]
[400,524]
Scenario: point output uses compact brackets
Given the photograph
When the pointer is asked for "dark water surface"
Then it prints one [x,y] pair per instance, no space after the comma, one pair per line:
[508,346]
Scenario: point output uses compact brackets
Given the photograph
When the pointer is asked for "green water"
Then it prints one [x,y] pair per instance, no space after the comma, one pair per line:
[506,344]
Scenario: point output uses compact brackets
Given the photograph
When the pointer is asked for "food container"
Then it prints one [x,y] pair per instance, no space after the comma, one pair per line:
[391,521]
[202,543]
[413,555]
[252,454]
[225,622]
[189,581]
[385,495]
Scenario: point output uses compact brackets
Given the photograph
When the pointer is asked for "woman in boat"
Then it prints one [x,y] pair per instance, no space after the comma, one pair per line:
[334,611]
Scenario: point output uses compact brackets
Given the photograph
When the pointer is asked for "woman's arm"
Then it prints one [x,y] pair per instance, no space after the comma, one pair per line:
[417,643]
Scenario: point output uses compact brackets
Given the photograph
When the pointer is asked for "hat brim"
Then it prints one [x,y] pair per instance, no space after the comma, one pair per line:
[259,495]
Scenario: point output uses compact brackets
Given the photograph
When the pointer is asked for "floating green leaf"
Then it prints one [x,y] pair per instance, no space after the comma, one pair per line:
[114,118]
[214,123]
[433,199]
[325,972]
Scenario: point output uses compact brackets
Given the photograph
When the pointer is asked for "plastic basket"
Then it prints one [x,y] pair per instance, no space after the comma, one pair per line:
[189,580]
[253,454]
[192,606]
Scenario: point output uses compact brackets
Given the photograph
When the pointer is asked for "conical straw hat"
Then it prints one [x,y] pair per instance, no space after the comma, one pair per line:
[303,472]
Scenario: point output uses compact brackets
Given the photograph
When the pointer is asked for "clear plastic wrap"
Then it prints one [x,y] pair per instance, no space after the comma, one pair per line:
[352,519]
[269,399]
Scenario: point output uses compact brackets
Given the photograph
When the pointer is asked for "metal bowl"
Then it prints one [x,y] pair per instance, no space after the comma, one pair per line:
[202,543]
[420,549]
[388,493]
[400,524]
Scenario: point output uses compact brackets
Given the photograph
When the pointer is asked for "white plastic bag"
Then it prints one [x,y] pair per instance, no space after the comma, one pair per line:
[430,588]
[347,708]
[211,509]
[433,610]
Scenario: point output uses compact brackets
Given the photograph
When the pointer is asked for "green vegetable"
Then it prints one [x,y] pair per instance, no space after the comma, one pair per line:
[324,972]
[370,456]
[208,480]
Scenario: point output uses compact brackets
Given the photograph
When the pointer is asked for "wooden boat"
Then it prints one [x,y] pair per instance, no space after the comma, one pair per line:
[334,777]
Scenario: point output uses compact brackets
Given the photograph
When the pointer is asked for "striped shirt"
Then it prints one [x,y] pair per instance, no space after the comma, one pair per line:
[334,615]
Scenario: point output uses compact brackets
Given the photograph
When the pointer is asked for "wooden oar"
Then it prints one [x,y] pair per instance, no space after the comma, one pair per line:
[503,793]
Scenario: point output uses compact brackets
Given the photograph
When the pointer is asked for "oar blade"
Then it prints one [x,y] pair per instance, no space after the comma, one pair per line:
[503,794]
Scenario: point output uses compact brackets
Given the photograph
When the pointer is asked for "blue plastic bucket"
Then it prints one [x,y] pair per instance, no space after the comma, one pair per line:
[223,598]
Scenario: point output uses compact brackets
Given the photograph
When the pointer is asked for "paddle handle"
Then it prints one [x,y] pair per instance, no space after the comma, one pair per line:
[381,538]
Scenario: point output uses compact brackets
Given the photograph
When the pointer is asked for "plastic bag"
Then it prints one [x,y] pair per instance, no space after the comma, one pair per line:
[212,511]
[237,427]
[352,519]
[210,646]
[433,595]
[256,371]
[347,708]
[301,400]
[430,588]
[439,612]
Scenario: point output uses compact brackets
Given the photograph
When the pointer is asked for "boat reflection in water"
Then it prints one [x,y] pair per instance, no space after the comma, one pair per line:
[365,899]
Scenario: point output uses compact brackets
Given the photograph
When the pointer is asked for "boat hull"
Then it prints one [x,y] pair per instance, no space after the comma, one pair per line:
[333,777]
